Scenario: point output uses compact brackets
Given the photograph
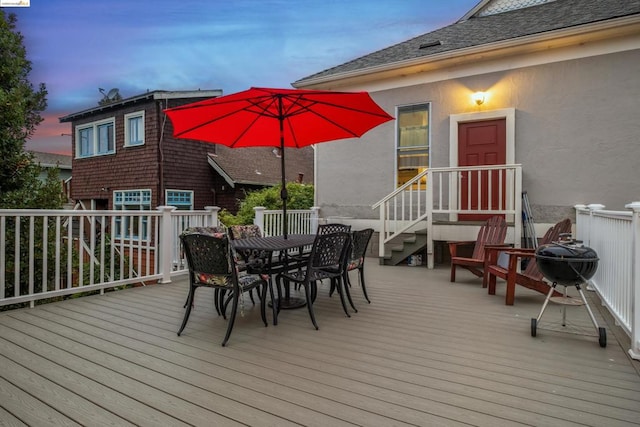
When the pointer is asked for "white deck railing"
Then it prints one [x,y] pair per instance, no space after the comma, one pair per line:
[299,221]
[51,253]
[450,192]
[615,236]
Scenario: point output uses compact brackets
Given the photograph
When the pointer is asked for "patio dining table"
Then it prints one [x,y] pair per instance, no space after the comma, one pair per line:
[277,244]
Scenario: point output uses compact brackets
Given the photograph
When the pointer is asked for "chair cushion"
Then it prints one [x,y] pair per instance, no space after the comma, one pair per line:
[245,281]
[355,263]
[216,231]
[214,279]
[245,231]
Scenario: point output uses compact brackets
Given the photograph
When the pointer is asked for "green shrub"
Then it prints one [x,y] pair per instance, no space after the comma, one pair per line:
[300,196]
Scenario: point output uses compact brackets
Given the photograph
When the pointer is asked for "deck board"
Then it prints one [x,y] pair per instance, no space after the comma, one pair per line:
[425,352]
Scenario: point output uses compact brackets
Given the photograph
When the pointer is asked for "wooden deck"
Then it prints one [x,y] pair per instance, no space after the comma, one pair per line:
[425,352]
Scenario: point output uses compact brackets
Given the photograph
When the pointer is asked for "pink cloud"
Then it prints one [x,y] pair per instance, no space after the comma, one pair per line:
[49,137]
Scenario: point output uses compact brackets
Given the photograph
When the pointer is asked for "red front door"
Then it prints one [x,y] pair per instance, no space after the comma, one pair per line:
[481,143]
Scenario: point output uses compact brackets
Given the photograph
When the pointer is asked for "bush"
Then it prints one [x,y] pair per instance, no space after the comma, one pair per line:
[300,196]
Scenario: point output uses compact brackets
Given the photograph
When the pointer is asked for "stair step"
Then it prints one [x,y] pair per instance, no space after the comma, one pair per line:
[406,245]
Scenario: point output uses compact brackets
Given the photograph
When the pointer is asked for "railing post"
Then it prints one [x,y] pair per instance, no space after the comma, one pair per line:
[581,226]
[315,215]
[517,204]
[634,351]
[165,243]
[429,212]
[383,231]
[213,215]
[259,217]
[592,208]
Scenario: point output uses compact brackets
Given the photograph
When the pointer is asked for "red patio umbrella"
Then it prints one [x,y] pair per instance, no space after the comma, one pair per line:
[277,118]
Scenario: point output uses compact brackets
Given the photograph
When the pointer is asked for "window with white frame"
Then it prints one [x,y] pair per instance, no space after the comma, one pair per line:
[413,141]
[181,199]
[134,129]
[95,139]
[132,226]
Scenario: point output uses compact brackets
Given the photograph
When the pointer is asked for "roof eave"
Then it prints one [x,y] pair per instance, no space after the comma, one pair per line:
[474,10]
[526,44]
[221,172]
[57,165]
[158,94]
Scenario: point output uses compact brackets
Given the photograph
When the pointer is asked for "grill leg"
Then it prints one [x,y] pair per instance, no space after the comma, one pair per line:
[546,301]
[564,309]
[586,305]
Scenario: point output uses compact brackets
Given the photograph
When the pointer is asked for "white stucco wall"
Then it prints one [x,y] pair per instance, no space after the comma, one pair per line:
[577,135]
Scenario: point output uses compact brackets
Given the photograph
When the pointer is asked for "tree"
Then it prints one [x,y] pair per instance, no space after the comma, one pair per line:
[20,108]
[20,186]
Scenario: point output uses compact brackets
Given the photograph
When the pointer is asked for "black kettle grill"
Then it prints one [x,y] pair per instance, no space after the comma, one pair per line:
[567,263]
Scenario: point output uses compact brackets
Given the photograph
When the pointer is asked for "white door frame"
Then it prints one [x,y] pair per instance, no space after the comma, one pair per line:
[509,114]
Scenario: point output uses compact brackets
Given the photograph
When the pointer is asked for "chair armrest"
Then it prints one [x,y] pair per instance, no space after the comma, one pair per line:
[491,252]
[453,246]
[464,242]
[521,253]
[491,255]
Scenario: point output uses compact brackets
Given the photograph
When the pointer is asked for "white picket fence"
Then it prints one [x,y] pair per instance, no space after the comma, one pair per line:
[615,236]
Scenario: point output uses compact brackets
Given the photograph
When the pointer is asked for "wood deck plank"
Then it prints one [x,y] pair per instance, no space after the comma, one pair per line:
[78,409]
[425,352]
[254,375]
[21,408]
[229,383]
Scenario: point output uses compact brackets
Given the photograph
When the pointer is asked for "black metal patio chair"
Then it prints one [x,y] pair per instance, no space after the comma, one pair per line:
[259,262]
[326,261]
[333,228]
[359,243]
[212,264]
[212,230]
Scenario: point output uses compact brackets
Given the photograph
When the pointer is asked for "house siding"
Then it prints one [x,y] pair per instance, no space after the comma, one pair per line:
[576,135]
[185,164]
[128,168]
[162,163]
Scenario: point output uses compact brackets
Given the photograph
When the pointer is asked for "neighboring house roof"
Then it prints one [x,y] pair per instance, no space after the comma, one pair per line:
[260,165]
[51,160]
[156,94]
[477,29]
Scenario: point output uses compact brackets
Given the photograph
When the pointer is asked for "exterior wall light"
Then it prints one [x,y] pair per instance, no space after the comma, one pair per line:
[478,98]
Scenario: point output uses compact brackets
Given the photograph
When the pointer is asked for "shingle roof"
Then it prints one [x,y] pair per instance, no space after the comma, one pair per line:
[155,94]
[477,31]
[50,160]
[260,166]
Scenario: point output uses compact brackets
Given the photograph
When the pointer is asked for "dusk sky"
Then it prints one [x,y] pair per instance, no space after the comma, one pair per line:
[77,47]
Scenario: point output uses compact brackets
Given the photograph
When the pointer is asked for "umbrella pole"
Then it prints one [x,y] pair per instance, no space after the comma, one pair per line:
[283,190]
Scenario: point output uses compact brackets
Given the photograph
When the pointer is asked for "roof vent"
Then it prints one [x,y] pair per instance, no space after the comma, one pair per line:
[430,44]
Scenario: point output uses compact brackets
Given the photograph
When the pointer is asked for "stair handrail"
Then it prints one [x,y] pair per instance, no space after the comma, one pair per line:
[444,192]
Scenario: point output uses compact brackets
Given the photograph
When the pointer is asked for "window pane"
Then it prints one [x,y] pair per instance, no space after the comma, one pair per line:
[183,200]
[413,141]
[105,138]
[85,145]
[135,134]
[133,201]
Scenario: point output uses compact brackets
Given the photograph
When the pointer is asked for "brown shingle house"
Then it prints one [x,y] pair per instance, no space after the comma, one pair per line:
[125,157]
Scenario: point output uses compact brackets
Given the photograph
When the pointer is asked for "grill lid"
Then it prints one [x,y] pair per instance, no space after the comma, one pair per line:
[567,262]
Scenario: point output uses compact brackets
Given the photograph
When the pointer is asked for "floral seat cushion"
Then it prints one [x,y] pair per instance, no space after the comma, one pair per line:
[244,280]
[214,231]
[355,263]
[245,231]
